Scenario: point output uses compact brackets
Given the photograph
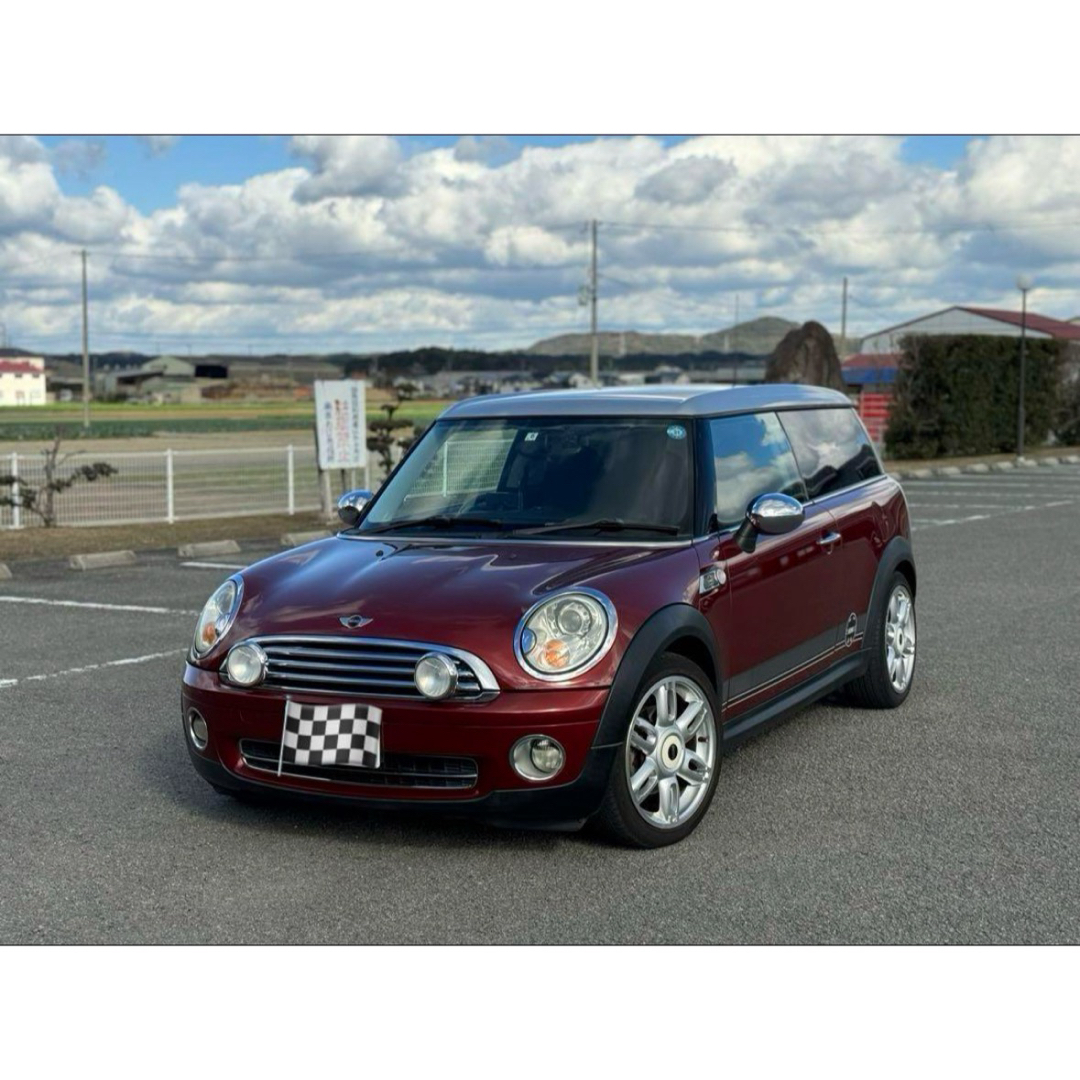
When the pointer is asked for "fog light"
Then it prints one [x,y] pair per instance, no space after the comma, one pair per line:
[246,664]
[537,757]
[435,676]
[197,729]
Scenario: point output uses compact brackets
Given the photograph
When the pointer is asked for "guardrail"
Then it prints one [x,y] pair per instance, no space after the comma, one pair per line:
[173,485]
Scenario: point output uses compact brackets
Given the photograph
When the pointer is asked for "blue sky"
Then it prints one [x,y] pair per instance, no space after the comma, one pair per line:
[151,182]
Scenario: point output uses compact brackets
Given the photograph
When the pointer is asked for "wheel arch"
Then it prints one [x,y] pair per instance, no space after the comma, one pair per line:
[677,628]
[897,556]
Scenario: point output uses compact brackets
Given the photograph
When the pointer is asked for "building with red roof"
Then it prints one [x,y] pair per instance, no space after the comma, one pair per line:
[22,378]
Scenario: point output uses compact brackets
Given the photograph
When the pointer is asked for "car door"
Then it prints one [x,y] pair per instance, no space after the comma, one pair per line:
[778,624]
[843,475]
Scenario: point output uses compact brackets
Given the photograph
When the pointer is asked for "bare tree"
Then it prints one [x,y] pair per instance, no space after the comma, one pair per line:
[40,499]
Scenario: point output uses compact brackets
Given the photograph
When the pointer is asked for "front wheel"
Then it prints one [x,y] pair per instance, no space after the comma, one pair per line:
[891,643]
[665,774]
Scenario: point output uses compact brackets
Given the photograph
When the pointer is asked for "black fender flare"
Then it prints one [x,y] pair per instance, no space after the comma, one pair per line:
[654,636]
[897,551]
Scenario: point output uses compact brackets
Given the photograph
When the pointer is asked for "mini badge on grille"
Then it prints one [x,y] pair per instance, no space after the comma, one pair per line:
[353,622]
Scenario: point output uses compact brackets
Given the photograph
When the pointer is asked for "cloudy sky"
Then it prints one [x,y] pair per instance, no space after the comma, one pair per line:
[369,243]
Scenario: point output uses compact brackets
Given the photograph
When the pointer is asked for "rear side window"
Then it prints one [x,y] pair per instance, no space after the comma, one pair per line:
[751,456]
[832,449]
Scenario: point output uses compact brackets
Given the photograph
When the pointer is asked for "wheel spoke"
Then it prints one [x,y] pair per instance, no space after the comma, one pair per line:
[666,703]
[669,799]
[643,736]
[694,768]
[644,781]
[689,723]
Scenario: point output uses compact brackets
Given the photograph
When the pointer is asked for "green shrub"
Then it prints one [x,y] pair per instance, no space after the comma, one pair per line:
[957,394]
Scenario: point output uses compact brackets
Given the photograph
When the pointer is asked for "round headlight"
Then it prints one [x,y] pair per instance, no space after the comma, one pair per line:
[246,664]
[566,634]
[435,675]
[217,616]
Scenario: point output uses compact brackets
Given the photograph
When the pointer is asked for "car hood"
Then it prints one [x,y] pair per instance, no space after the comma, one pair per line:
[469,595]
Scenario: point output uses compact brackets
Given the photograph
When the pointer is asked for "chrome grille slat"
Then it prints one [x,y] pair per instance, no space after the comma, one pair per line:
[364,667]
[321,665]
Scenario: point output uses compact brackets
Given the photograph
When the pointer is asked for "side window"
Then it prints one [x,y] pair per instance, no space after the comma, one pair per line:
[751,456]
[832,449]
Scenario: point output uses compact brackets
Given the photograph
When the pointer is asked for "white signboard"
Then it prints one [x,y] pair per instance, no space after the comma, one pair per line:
[341,424]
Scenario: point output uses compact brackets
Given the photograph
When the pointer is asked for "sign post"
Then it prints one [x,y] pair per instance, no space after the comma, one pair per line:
[340,429]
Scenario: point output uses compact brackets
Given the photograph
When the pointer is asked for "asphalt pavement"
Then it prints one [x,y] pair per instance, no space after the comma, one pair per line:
[953,819]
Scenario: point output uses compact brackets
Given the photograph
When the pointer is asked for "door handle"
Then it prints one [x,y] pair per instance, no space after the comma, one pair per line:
[828,540]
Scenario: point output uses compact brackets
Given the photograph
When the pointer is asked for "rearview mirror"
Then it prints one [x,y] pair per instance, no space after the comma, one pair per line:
[351,505]
[772,514]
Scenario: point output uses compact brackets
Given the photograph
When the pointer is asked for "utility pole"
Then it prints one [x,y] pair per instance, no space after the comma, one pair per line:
[843,320]
[594,349]
[1024,285]
[85,351]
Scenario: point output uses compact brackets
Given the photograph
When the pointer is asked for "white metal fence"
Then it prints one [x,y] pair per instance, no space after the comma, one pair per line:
[172,485]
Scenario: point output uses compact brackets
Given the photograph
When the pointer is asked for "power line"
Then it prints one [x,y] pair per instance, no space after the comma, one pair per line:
[812,230]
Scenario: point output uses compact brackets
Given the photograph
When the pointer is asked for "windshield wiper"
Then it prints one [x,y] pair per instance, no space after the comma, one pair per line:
[442,520]
[605,525]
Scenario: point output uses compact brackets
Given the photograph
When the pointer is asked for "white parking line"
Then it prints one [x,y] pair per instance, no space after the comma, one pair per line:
[930,523]
[96,607]
[215,565]
[5,683]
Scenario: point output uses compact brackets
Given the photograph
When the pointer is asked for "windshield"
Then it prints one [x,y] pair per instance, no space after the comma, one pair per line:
[551,474]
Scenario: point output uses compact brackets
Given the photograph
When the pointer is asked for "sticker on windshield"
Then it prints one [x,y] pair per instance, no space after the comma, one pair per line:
[676,431]
[531,436]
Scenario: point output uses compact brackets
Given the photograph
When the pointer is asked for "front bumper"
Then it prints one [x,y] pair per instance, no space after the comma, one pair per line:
[484,732]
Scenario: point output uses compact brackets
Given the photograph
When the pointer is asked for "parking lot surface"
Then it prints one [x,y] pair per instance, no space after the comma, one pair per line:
[953,819]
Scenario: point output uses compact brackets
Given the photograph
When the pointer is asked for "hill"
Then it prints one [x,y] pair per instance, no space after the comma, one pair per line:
[757,337]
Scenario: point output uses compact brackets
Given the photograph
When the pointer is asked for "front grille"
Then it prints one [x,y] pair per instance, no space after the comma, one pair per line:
[398,770]
[364,667]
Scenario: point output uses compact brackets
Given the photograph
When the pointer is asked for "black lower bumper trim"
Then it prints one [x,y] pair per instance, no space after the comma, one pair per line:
[557,807]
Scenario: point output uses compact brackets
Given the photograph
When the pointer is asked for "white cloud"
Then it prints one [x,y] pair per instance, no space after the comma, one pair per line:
[347,164]
[79,157]
[158,145]
[364,245]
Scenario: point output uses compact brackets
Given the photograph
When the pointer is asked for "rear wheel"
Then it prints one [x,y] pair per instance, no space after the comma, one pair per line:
[891,643]
[665,774]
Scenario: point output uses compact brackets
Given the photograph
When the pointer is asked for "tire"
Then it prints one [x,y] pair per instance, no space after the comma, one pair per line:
[683,771]
[880,688]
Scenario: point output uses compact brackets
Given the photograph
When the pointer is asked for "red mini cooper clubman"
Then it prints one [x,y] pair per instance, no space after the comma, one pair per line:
[563,607]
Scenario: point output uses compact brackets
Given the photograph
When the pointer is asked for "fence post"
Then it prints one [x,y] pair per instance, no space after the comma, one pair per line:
[16,509]
[290,472]
[170,496]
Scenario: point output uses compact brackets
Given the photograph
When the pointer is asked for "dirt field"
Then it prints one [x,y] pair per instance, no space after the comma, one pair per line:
[37,543]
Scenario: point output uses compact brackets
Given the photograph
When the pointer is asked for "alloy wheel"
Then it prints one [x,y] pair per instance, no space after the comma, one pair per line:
[900,638]
[671,752]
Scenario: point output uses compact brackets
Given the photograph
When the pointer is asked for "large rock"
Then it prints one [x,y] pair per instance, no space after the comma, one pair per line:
[806,355]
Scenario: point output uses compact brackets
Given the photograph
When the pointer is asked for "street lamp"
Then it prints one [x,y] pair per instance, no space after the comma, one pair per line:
[1025,285]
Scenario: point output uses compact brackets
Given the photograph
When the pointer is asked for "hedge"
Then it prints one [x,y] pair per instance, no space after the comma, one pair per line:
[957,394]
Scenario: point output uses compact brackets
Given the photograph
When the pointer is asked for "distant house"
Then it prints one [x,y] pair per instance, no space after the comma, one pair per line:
[970,320]
[22,378]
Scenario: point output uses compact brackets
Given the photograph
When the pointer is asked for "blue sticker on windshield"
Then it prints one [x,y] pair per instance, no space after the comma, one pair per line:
[676,431]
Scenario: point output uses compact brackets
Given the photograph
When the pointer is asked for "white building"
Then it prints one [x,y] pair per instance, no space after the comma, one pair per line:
[970,320]
[22,378]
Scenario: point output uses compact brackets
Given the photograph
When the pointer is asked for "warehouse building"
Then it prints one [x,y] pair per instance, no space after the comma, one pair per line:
[969,320]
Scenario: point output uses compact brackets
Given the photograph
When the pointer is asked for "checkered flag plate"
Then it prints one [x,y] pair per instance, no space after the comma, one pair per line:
[331,735]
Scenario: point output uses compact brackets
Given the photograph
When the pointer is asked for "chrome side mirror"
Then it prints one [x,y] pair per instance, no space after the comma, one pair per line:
[351,505]
[772,514]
